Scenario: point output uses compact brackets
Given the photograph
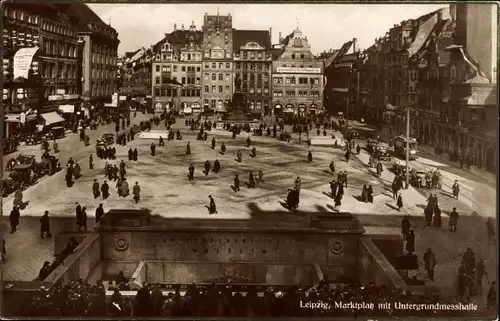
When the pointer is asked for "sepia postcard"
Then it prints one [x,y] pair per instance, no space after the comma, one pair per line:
[249,160]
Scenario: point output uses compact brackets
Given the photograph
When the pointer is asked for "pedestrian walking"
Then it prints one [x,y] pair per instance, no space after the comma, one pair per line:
[405,227]
[453,222]
[82,222]
[212,209]
[91,162]
[153,149]
[45,225]
[236,183]
[191,172]
[399,202]
[14,219]
[309,156]
[455,189]
[430,263]
[96,189]
[410,242]
[136,190]
[99,212]
[105,190]
[78,213]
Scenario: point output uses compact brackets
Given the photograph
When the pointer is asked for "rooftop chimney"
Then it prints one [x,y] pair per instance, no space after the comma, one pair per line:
[182,27]
[271,35]
[279,36]
[175,26]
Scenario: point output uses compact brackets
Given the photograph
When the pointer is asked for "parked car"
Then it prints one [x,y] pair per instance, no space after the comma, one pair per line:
[108,139]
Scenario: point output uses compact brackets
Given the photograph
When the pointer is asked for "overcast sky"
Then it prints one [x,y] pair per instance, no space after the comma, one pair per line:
[325,25]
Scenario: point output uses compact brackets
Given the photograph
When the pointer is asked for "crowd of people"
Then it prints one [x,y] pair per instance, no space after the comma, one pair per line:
[80,299]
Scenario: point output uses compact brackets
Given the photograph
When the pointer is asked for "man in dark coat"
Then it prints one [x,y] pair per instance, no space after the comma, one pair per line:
[309,156]
[135,155]
[212,209]
[236,183]
[105,190]
[153,149]
[78,212]
[437,216]
[399,202]
[216,166]
[347,154]
[45,225]
[136,190]
[14,218]
[96,189]
[207,167]
[91,162]
[453,220]
[430,263]
[156,301]
[188,149]
[333,188]
[410,242]
[405,227]
[99,212]
[332,167]
[456,189]
[213,143]
[82,220]
[222,148]
[251,180]
[130,154]
[191,172]
[143,302]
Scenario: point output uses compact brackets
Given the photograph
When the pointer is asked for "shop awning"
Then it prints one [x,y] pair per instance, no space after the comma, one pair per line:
[52,118]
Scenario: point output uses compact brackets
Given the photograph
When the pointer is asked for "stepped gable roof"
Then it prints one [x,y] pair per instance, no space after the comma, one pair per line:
[241,37]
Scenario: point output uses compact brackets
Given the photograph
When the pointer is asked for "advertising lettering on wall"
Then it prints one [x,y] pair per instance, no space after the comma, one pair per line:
[22,61]
[296,70]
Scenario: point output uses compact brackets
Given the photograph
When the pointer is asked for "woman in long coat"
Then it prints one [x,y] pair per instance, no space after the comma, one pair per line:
[399,202]
[124,188]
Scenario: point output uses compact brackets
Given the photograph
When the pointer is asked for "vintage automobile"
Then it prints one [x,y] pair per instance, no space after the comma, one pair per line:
[20,177]
[20,159]
[383,153]
[58,132]
[49,165]
[108,139]
[35,139]
[417,178]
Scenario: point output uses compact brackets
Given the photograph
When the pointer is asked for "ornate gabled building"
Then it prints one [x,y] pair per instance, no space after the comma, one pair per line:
[297,78]
[252,66]
[217,69]
[176,71]
[135,73]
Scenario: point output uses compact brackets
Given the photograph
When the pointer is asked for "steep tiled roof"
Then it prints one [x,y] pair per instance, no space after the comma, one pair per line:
[287,39]
[180,37]
[83,13]
[241,37]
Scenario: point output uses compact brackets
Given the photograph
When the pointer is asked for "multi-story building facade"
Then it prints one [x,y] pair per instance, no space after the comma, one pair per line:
[252,66]
[177,71]
[135,73]
[99,53]
[471,102]
[217,69]
[40,65]
[297,83]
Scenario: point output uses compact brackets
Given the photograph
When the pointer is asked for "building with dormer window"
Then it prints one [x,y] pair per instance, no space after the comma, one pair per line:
[217,69]
[252,65]
[176,73]
[297,78]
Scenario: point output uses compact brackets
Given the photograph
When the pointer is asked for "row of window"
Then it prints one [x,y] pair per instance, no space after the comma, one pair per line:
[184,80]
[293,80]
[174,92]
[103,89]
[215,76]
[59,29]
[214,89]
[300,94]
[50,70]
[63,49]
[19,15]
[252,66]
[104,59]
[252,77]
[252,55]
[103,73]
[174,68]
[219,65]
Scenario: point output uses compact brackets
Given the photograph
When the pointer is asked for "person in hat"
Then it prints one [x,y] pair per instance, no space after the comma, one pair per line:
[453,220]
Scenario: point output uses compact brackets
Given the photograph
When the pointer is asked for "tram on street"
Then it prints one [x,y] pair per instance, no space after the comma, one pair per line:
[400,147]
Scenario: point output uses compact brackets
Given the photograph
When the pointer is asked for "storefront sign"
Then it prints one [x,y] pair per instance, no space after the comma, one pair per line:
[22,62]
[295,70]
[60,91]
[69,97]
